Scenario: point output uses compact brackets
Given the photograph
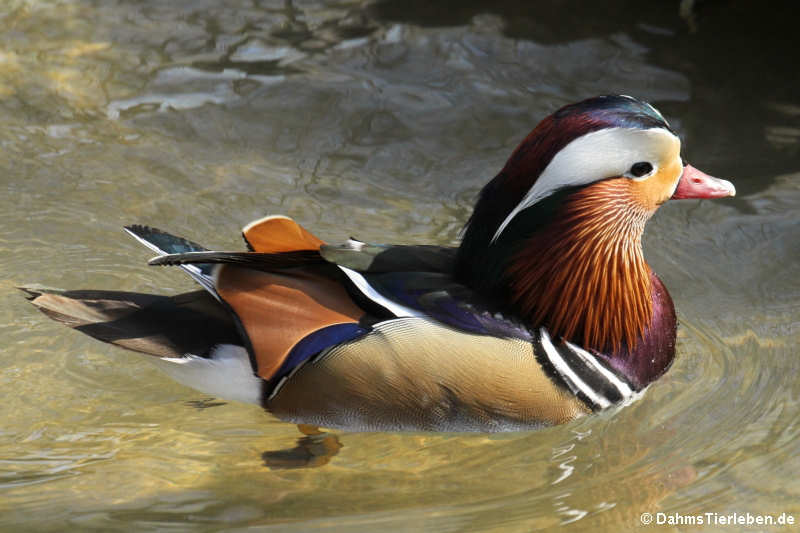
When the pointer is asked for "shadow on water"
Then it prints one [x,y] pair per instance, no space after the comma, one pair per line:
[737,56]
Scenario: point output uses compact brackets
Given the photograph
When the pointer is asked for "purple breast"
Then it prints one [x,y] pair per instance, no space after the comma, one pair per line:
[654,353]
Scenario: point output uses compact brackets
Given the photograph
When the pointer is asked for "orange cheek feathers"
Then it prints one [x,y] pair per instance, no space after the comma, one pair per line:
[657,189]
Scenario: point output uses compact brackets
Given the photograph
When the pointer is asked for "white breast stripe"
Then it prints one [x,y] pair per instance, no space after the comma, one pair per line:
[288,376]
[367,290]
[590,361]
[564,369]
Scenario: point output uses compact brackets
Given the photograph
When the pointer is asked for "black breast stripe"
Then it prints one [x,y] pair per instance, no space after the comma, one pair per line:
[599,383]
[594,383]
[615,380]
[560,378]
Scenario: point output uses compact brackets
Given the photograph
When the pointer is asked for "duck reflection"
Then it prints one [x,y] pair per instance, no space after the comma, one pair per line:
[315,448]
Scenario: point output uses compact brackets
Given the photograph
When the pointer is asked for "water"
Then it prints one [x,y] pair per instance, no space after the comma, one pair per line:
[382,120]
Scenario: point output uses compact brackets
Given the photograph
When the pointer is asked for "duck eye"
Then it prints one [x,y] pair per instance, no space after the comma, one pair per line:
[640,169]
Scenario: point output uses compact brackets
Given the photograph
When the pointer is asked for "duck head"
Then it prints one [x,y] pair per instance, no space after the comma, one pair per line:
[555,237]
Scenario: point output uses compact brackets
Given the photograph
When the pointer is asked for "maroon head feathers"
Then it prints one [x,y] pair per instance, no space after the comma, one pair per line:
[501,195]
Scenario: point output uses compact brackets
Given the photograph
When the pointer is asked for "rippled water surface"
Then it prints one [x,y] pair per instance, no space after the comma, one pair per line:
[382,120]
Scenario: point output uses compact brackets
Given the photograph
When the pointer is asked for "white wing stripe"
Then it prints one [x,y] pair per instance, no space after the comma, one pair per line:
[366,289]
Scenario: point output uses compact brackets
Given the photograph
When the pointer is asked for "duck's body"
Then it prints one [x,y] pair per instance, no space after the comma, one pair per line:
[547,311]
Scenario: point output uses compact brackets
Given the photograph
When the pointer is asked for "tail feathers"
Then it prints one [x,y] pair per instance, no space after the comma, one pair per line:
[77,308]
[164,243]
[164,326]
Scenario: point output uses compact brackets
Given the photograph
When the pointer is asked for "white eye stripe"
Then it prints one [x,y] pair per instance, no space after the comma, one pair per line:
[595,156]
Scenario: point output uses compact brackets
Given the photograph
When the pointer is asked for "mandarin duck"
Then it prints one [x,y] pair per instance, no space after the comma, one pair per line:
[545,312]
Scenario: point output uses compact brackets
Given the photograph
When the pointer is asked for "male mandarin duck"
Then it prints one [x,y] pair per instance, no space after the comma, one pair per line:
[545,312]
